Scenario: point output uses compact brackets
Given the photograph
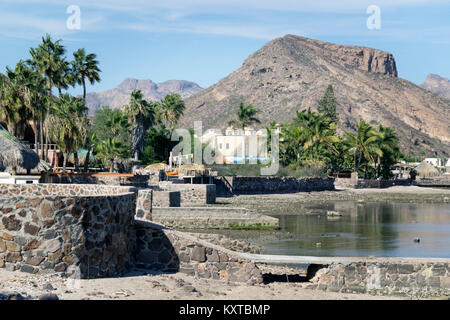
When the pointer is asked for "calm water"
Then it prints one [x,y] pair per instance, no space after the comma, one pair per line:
[365,229]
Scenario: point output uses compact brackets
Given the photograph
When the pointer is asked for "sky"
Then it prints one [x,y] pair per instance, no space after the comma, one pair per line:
[205,40]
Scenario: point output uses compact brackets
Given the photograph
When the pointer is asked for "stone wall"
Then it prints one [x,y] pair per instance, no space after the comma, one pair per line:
[140,181]
[82,229]
[261,185]
[365,183]
[165,249]
[213,218]
[144,204]
[191,194]
[417,277]
[163,199]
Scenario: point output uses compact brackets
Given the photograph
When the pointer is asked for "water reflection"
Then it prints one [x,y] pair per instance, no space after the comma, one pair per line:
[366,229]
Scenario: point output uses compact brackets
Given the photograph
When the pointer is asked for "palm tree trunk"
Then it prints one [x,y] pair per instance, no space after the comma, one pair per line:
[41,137]
[111,165]
[64,161]
[75,160]
[86,161]
[84,89]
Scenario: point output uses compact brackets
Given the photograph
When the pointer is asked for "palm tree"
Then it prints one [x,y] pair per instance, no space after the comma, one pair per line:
[47,60]
[68,124]
[142,116]
[171,108]
[310,138]
[110,149]
[23,92]
[85,67]
[117,122]
[363,145]
[245,116]
[388,143]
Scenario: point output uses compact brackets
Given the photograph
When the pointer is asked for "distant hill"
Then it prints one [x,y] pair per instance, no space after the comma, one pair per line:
[438,85]
[120,95]
[292,73]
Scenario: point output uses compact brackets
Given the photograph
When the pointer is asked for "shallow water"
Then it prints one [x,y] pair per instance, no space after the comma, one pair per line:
[385,229]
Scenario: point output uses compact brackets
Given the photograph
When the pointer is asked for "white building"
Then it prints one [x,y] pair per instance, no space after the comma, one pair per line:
[237,145]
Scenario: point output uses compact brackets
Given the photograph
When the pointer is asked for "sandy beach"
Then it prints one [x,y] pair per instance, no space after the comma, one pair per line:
[137,286]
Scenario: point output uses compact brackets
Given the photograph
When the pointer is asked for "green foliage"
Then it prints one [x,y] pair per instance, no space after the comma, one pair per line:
[111,123]
[246,116]
[157,145]
[170,109]
[68,124]
[327,105]
[110,149]
[310,143]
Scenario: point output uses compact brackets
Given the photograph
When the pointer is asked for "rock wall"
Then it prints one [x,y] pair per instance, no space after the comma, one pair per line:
[140,181]
[192,194]
[364,183]
[420,278]
[213,218]
[144,204]
[261,185]
[83,230]
[165,249]
[164,199]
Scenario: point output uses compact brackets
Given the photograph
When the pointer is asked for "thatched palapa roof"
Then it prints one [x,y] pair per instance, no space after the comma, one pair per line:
[157,166]
[16,154]
[425,170]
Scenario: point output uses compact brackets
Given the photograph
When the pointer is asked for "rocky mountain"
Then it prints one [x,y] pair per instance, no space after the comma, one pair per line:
[292,73]
[119,96]
[438,85]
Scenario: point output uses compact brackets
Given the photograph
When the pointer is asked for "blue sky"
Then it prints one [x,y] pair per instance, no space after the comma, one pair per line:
[205,40]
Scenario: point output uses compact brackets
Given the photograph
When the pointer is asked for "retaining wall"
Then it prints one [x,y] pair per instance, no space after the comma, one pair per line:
[261,185]
[144,204]
[140,181]
[363,183]
[416,277]
[81,229]
[191,194]
[166,199]
[212,218]
[172,251]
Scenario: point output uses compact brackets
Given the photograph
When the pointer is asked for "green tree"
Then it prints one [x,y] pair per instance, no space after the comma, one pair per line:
[110,149]
[170,109]
[388,144]
[246,116]
[363,146]
[68,124]
[47,59]
[85,67]
[142,116]
[327,105]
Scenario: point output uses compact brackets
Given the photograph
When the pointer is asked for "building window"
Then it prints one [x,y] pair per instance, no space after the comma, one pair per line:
[220,146]
[228,146]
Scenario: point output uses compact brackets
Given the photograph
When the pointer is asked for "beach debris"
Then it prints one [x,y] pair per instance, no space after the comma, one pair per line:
[416,240]
[48,287]
[48,296]
[189,288]
[124,293]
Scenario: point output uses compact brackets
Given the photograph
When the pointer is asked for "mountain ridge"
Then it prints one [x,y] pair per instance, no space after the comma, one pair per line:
[291,73]
[437,84]
[120,95]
